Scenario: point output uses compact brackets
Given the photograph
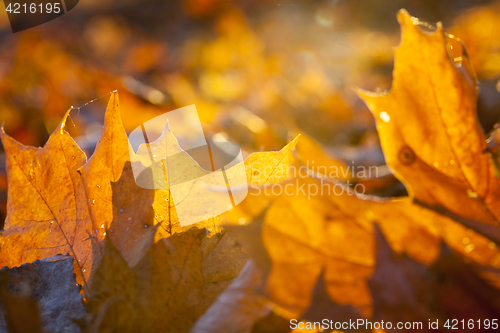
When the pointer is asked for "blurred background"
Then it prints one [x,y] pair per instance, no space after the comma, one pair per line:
[259,72]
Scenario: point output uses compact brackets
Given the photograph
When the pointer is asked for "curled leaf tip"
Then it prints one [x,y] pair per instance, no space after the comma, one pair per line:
[62,124]
[112,110]
[113,99]
[2,132]
[405,18]
[370,98]
[292,143]
[362,93]
[7,139]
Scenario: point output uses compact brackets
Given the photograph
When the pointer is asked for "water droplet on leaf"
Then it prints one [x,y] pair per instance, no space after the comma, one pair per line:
[385,117]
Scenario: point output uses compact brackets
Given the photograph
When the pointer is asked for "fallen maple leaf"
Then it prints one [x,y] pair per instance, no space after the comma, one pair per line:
[47,205]
[429,131]
[61,203]
[435,146]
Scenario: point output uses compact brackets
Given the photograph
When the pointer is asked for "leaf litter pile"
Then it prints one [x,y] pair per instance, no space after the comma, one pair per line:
[87,250]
